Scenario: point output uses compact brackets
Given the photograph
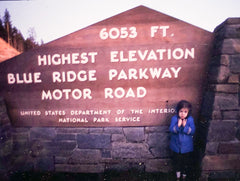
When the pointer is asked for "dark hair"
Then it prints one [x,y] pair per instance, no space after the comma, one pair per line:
[184,104]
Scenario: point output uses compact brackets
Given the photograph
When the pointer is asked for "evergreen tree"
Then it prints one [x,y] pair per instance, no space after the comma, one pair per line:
[3,32]
[7,26]
[30,41]
[14,37]
[18,40]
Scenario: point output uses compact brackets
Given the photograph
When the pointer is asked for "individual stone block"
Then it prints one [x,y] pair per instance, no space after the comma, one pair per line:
[229,148]
[221,131]
[233,79]
[159,144]
[223,101]
[232,21]
[226,88]
[224,60]
[134,134]
[93,141]
[158,165]
[231,115]
[230,46]
[85,156]
[221,162]
[62,148]
[118,138]
[113,130]
[65,145]
[42,133]
[130,150]
[234,62]
[232,31]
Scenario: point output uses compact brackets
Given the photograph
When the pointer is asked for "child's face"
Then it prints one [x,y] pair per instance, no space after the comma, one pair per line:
[183,113]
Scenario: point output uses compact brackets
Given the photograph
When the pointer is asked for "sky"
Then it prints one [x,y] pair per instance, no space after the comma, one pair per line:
[52,19]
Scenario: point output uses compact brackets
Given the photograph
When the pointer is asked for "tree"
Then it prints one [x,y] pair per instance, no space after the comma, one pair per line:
[3,32]
[31,40]
[18,40]
[14,37]
[7,25]
[32,34]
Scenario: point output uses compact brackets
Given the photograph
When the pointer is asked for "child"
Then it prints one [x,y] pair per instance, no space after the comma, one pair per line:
[182,129]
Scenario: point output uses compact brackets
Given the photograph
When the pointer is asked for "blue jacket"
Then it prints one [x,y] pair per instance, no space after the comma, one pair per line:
[182,137]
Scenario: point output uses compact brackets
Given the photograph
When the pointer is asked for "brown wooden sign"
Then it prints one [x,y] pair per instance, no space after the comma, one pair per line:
[128,70]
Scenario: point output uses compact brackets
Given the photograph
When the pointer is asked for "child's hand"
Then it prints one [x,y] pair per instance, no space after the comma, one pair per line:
[184,122]
[180,122]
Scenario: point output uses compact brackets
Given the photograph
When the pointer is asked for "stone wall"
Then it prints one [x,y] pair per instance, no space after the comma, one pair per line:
[83,150]
[5,138]
[221,107]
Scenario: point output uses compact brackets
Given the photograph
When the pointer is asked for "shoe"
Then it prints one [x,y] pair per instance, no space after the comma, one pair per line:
[184,176]
[178,175]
